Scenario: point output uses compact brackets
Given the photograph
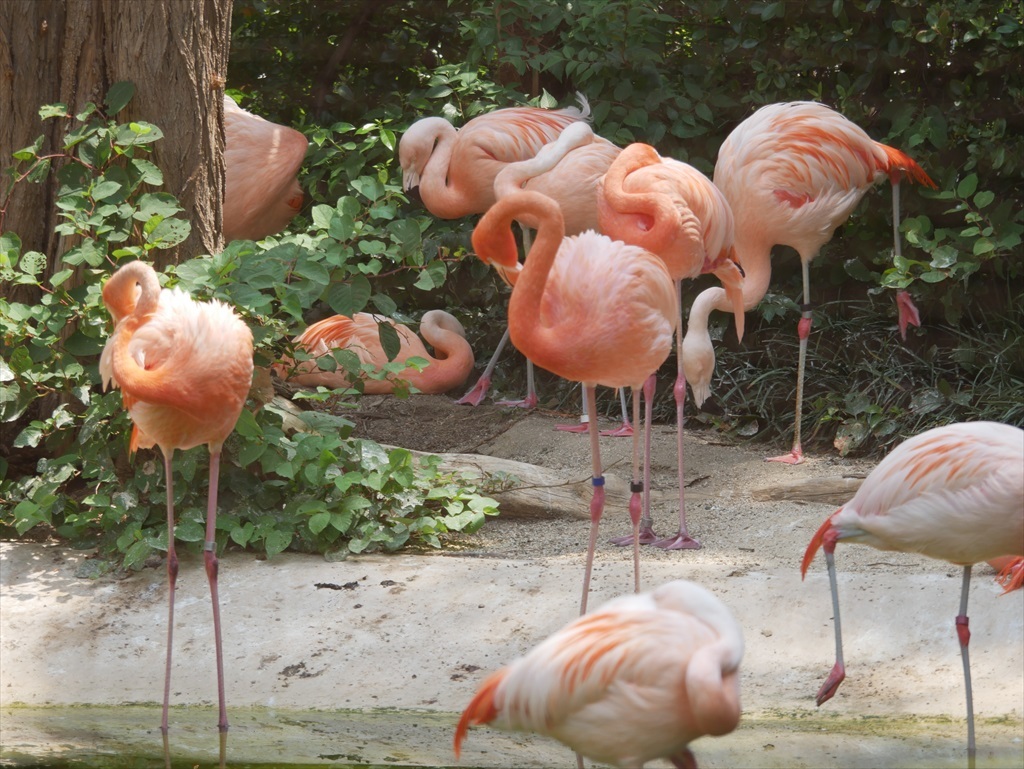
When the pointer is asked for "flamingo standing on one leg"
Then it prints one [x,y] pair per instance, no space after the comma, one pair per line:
[261,188]
[567,170]
[639,679]
[185,369]
[586,308]
[360,334]
[674,211]
[955,493]
[792,173]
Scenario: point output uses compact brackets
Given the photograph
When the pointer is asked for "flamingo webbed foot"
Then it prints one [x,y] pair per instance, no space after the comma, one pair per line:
[529,402]
[831,684]
[625,431]
[794,457]
[646,537]
[582,427]
[476,395]
[679,541]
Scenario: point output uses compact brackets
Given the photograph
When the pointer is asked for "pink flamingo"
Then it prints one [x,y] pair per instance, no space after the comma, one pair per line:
[455,173]
[261,189]
[637,680]
[361,334]
[185,369]
[674,211]
[567,170]
[954,493]
[792,173]
[455,170]
[587,309]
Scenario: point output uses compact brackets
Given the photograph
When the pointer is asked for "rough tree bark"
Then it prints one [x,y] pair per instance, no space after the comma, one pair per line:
[72,51]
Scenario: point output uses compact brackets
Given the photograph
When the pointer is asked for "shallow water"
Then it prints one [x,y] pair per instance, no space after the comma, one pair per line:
[129,738]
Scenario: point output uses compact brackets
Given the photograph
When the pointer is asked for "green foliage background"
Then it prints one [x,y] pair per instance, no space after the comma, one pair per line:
[940,80]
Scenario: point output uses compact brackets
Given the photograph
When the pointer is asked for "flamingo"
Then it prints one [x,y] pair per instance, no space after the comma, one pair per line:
[455,173]
[185,369]
[360,334]
[954,493]
[638,679]
[567,170]
[674,211]
[586,308]
[455,170]
[261,188]
[792,173]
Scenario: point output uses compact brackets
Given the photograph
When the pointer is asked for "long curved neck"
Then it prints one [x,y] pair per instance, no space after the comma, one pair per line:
[515,175]
[119,294]
[642,218]
[442,195]
[136,381]
[452,361]
[524,308]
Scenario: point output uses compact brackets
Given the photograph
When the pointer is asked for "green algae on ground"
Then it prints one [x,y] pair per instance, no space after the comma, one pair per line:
[128,737]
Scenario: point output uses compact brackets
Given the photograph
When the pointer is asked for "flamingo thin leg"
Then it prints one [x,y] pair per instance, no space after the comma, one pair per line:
[626,430]
[963,632]
[210,557]
[645,532]
[596,502]
[681,540]
[172,580]
[908,314]
[478,392]
[796,454]
[584,423]
[838,673]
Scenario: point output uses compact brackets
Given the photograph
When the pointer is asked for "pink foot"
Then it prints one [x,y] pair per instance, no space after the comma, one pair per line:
[475,396]
[529,402]
[582,427]
[647,537]
[681,541]
[626,431]
[831,684]
[795,457]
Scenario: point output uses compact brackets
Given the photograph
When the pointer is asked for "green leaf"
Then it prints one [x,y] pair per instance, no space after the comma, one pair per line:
[967,186]
[118,97]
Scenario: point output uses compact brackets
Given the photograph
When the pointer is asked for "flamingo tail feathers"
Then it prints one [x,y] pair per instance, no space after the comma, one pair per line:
[335,331]
[481,710]
[900,161]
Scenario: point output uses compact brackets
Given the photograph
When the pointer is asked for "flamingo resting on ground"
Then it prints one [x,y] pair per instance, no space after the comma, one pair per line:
[185,369]
[361,335]
[954,493]
[261,186]
[586,308]
[674,211]
[792,173]
[637,680]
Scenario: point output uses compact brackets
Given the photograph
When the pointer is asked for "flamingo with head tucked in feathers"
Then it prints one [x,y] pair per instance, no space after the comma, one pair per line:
[637,680]
[673,210]
[586,308]
[955,493]
[185,369]
[792,173]
[361,335]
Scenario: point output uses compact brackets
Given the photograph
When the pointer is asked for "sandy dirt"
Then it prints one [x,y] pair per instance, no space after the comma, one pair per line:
[420,631]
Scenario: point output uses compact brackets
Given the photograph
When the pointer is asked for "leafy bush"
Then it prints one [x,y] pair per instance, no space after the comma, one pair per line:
[315,489]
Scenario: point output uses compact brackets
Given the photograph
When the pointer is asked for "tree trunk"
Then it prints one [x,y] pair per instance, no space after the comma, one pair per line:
[72,51]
